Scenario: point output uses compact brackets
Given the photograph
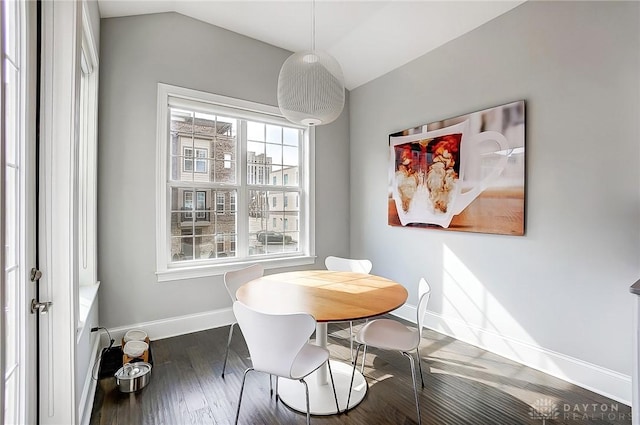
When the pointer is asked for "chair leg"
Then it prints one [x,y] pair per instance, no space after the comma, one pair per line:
[364,357]
[244,377]
[420,366]
[306,389]
[335,394]
[364,352]
[226,353]
[277,396]
[352,336]
[415,387]
[353,374]
[351,340]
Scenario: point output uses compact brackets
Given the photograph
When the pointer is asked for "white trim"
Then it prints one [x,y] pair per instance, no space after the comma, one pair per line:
[598,379]
[170,275]
[88,155]
[3,226]
[88,35]
[175,326]
[89,389]
[189,98]
[635,406]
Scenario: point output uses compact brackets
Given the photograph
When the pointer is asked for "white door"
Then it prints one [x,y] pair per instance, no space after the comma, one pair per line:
[18,194]
[58,249]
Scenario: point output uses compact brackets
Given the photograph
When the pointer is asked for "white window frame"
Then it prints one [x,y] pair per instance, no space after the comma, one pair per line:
[232,203]
[168,271]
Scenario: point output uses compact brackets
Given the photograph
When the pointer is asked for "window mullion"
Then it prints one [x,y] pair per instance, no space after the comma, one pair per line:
[242,207]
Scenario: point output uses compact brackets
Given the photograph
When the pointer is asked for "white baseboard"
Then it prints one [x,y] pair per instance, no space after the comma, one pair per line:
[89,388]
[180,325]
[606,382]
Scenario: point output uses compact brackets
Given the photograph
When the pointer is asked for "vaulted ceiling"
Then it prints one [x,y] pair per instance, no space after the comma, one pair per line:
[368,38]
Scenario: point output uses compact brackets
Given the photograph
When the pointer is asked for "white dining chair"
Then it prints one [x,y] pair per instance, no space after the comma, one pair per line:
[340,264]
[278,345]
[232,281]
[388,334]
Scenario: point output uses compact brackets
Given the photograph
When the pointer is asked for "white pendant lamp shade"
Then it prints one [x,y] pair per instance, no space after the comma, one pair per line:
[311,88]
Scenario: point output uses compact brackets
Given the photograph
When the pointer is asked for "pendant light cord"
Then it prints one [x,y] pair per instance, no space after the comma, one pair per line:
[313,25]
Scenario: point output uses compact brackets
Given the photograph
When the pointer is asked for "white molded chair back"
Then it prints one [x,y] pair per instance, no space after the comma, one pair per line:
[424,292]
[339,264]
[232,281]
[389,334]
[273,340]
[236,278]
[278,345]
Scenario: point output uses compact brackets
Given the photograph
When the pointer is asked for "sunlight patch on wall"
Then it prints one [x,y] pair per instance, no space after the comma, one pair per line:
[465,299]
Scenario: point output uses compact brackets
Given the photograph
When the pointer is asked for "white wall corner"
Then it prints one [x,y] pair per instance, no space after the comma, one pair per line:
[603,381]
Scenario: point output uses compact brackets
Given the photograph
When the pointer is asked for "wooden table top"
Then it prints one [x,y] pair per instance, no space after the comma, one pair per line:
[328,296]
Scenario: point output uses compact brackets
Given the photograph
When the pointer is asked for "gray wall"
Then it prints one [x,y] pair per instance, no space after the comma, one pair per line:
[563,287]
[137,53]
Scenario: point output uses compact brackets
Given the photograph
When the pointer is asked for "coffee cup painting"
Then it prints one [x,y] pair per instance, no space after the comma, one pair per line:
[465,173]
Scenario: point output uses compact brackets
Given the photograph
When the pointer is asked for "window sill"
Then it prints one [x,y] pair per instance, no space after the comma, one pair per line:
[86,298]
[217,270]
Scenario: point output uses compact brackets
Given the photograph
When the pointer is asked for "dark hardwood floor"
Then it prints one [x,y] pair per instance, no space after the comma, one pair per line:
[463,385]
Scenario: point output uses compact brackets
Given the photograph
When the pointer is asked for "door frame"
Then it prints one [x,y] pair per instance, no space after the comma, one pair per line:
[26,199]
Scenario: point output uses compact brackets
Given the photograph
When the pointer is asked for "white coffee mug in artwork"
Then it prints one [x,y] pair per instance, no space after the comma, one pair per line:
[430,172]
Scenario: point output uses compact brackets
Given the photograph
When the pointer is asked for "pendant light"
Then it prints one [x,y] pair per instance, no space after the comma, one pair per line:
[311,85]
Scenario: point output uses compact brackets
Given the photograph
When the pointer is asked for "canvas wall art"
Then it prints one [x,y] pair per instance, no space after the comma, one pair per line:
[465,173]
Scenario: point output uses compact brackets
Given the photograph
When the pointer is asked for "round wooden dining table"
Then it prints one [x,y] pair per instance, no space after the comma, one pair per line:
[329,296]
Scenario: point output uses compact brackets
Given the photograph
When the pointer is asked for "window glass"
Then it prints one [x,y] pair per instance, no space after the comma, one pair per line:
[202,147]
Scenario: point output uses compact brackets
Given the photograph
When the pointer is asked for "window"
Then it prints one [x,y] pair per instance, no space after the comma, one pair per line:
[188,205]
[87,148]
[228,150]
[220,244]
[200,160]
[201,202]
[220,203]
